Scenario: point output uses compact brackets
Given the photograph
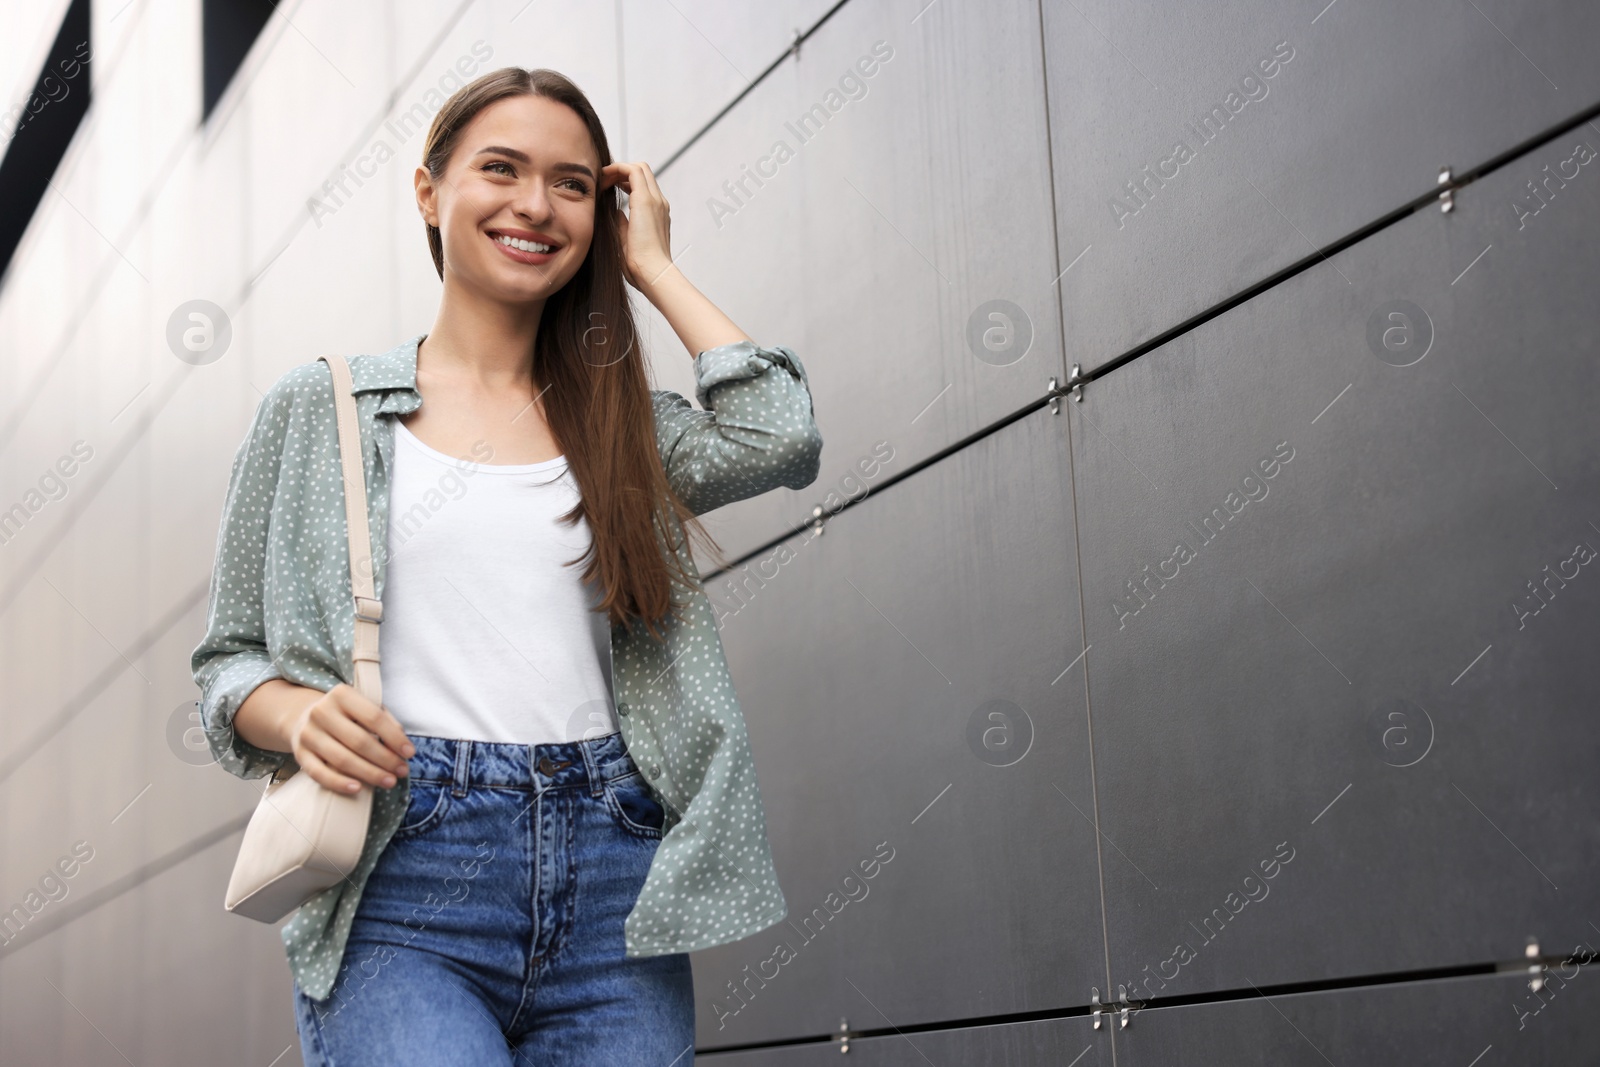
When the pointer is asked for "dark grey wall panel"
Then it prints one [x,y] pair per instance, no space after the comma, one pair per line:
[1351,668]
[1053,1042]
[875,242]
[866,661]
[1365,103]
[1484,1020]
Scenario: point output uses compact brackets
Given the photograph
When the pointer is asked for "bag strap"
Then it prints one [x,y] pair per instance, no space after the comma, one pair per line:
[368,609]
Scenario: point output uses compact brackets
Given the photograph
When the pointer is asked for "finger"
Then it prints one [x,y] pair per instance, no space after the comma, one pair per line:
[643,182]
[338,755]
[377,719]
[323,774]
[613,174]
[365,747]
[649,179]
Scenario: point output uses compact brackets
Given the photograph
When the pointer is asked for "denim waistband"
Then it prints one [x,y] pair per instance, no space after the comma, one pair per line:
[533,768]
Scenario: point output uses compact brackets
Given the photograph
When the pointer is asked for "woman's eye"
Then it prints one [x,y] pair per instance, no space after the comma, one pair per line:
[576,184]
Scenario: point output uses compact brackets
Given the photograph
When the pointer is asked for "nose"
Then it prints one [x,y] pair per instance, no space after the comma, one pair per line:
[534,206]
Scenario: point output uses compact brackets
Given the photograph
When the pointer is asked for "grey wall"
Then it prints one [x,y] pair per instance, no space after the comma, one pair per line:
[1305,787]
[1331,680]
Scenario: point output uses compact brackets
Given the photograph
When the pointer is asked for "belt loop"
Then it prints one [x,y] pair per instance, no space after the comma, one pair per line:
[591,766]
[463,762]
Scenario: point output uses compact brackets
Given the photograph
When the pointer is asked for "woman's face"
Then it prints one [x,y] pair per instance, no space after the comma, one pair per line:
[524,169]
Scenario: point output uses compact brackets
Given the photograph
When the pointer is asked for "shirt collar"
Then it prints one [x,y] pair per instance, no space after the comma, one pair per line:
[393,373]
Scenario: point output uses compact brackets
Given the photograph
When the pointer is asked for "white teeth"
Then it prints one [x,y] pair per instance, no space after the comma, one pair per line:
[526,246]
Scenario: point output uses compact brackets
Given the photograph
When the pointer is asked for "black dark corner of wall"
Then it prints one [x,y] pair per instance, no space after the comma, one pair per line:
[227,30]
[39,128]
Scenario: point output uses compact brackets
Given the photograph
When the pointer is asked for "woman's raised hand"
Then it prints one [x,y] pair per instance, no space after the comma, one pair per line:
[645,228]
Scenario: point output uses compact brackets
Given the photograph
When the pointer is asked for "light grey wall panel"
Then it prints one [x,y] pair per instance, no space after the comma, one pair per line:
[866,661]
[1480,1020]
[1364,104]
[1343,662]
[158,975]
[1056,1042]
[882,233]
[685,60]
[107,752]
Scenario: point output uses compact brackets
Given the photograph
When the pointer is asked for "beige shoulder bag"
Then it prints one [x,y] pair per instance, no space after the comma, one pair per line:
[304,837]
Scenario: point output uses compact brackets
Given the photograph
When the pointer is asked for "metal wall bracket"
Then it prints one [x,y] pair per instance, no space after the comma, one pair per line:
[844,1035]
[1074,386]
[819,520]
[1122,1006]
[1535,966]
[1447,198]
[1124,1014]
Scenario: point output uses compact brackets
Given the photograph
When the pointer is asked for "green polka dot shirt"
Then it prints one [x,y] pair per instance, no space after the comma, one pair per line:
[281,607]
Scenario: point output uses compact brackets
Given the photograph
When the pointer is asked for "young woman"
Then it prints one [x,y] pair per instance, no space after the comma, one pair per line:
[564,802]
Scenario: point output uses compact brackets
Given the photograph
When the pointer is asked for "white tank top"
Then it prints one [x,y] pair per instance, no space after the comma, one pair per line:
[485,634]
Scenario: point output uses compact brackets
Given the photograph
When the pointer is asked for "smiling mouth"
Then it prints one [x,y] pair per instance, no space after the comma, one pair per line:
[520,245]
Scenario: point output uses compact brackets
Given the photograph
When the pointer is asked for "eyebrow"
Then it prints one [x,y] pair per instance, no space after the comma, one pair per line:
[522,157]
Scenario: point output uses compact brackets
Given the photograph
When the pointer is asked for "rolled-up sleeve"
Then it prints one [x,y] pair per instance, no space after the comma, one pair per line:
[759,431]
[232,659]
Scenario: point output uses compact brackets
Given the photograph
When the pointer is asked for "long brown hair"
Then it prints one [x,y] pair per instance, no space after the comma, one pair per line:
[597,402]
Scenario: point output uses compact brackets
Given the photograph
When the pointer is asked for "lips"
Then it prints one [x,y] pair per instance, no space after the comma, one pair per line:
[518,255]
[532,236]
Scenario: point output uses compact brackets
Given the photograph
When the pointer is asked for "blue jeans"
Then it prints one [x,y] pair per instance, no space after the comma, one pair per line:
[490,931]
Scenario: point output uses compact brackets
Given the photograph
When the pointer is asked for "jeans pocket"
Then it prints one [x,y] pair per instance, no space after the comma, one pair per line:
[425,808]
[634,807]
